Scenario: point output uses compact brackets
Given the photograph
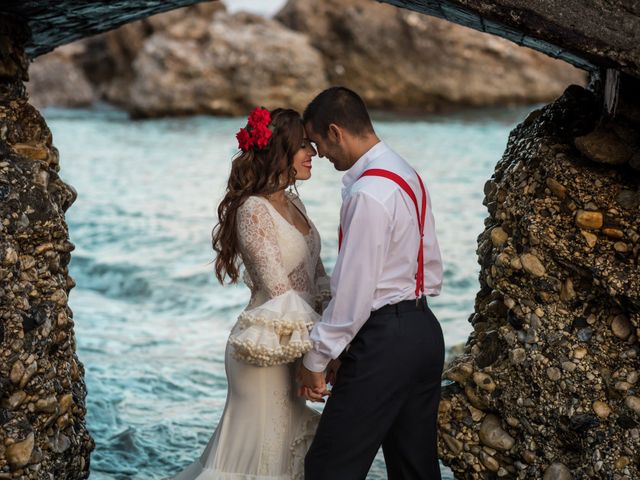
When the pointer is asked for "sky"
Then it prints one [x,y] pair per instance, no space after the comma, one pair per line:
[262,7]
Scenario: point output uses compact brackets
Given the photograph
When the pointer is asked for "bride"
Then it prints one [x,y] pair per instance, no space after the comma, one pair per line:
[266,428]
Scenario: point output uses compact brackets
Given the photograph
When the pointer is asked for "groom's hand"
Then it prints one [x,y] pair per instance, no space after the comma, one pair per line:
[313,384]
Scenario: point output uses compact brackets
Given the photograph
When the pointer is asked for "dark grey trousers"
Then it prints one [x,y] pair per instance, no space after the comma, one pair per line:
[387,393]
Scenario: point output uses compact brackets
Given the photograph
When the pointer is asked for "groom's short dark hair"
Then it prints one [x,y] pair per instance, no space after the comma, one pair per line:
[341,106]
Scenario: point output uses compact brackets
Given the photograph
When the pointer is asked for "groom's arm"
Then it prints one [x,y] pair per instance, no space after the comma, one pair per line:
[366,228]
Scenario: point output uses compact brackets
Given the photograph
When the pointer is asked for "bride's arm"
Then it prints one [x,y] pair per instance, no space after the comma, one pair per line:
[276,331]
[261,255]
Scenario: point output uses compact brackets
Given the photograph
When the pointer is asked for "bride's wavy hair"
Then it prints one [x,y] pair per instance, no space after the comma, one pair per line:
[255,172]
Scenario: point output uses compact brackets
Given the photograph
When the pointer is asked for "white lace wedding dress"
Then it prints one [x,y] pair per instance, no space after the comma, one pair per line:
[266,429]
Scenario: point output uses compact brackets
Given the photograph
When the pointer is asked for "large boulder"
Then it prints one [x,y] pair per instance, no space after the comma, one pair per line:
[56,79]
[402,60]
[224,65]
[101,66]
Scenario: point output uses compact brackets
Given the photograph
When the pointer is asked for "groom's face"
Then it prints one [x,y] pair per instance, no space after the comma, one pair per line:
[328,146]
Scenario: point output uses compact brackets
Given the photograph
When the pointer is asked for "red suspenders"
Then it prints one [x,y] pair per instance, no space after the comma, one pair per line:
[378,172]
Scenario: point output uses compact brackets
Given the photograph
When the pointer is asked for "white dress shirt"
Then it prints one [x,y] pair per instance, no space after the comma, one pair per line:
[377,262]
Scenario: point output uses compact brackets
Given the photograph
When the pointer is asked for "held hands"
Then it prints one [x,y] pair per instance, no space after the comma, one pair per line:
[312,384]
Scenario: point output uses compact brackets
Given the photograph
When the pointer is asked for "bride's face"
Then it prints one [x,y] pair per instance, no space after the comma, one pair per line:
[302,159]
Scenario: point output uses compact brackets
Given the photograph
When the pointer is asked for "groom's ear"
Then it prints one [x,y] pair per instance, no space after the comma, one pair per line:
[335,133]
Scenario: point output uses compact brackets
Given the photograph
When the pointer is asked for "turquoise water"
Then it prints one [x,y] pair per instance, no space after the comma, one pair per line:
[151,321]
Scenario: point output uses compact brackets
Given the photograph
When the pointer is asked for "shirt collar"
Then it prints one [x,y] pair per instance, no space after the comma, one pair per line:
[358,168]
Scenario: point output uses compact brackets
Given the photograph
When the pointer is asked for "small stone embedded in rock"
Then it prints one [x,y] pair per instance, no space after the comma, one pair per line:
[517,355]
[454,444]
[579,353]
[585,334]
[602,409]
[590,220]
[459,372]
[554,374]
[613,232]
[620,247]
[489,462]
[498,237]
[556,188]
[557,471]
[484,381]
[17,372]
[567,293]
[492,435]
[532,265]
[17,398]
[633,403]
[590,238]
[19,453]
[621,327]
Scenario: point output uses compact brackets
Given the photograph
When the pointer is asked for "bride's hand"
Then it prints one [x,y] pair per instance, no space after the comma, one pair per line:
[313,386]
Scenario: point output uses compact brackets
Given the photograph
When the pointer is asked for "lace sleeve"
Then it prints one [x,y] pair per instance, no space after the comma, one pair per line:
[276,331]
[260,250]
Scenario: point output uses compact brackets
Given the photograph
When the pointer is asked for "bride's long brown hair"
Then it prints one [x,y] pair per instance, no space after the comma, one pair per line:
[255,172]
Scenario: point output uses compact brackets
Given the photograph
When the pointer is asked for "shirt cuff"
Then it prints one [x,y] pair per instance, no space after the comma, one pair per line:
[315,361]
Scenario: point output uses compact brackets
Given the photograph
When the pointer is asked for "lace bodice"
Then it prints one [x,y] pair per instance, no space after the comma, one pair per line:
[288,284]
[277,257]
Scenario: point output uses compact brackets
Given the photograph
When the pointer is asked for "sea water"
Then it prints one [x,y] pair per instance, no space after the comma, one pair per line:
[151,320]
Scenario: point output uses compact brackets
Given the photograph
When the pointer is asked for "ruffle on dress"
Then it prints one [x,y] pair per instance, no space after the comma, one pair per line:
[275,332]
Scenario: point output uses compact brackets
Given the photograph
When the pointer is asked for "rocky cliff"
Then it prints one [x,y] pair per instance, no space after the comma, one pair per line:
[42,392]
[547,386]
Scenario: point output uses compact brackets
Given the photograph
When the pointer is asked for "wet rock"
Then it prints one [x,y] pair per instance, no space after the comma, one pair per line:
[492,435]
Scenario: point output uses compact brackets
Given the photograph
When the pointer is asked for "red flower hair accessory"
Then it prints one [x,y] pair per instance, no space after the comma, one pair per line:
[257,133]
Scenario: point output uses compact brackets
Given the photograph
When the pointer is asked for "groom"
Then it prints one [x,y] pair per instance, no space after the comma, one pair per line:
[390,344]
